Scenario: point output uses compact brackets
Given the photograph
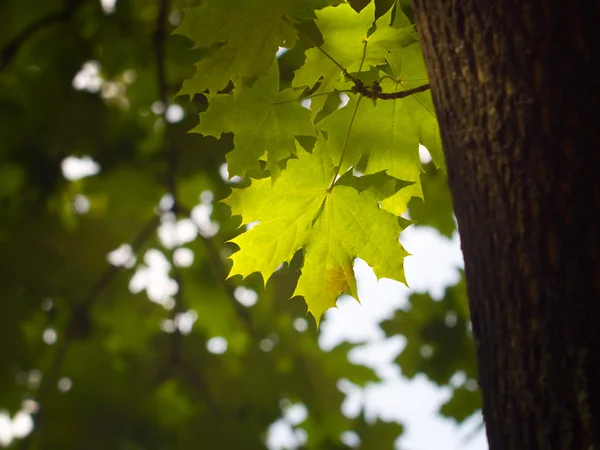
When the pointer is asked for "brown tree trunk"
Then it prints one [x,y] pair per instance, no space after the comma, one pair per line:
[516,84]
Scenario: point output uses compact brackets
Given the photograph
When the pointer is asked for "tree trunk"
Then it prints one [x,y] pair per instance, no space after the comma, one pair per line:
[516,86]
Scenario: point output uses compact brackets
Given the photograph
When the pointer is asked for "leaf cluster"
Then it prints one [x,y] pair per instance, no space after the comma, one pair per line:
[92,349]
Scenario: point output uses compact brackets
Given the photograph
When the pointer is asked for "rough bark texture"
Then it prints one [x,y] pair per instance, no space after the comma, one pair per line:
[516,86]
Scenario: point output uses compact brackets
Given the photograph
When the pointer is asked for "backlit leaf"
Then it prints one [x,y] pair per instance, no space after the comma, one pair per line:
[262,118]
[332,225]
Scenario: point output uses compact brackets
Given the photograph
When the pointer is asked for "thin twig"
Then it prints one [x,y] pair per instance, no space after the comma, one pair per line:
[362,61]
[10,50]
[345,145]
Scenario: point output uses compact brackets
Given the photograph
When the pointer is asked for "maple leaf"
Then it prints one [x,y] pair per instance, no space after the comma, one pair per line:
[385,134]
[242,36]
[262,120]
[408,71]
[390,131]
[345,33]
[332,224]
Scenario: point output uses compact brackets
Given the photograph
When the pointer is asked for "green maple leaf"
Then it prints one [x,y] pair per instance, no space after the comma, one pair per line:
[243,37]
[386,135]
[408,71]
[390,131]
[345,33]
[262,120]
[333,225]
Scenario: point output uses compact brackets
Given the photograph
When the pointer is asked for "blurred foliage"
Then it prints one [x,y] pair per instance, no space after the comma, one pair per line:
[107,368]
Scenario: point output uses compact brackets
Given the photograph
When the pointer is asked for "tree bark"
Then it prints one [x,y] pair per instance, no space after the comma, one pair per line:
[516,85]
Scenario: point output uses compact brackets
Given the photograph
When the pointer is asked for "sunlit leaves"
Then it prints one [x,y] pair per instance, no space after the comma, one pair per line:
[242,37]
[347,41]
[408,71]
[301,208]
[262,118]
[333,225]
[385,134]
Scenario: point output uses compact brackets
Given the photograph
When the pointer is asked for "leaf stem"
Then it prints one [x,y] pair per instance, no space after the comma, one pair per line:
[345,145]
[362,61]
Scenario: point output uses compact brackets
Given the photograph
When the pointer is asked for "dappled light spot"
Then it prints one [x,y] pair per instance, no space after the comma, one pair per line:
[30,406]
[22,424]
[183,257]
[108,6]
[206,197]
[300,324]
[175,233]
[458,379]
[266,345]
[122,256]
[166,202]
[81,204]
[281,436]
[245,296]
[224,172]
[6,436]
[65,384]
[295,414]
[129,76]
[113,89]
[301,436]
[185,321]
[49,336]
[353,402]
[175,17]
[88,78]
[424,154]
[169,304]
[471,385]
[201,217]
[451,319]
[74,168]
[251,225]
[281,51]
[426,351]
[217,345]
[350,438]
[168,326]
[34,379]
[344,99]
[306,103]
[174,114]
[157,107]
[47,304]
[154,278]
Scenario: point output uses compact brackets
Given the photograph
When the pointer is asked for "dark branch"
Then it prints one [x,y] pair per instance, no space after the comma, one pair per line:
[11,49]
[77,328]
[374,91]
[172,162]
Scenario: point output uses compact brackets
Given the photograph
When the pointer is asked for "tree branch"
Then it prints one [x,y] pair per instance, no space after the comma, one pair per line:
[9,51]
[77,328]
[374,91]
[172,163]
